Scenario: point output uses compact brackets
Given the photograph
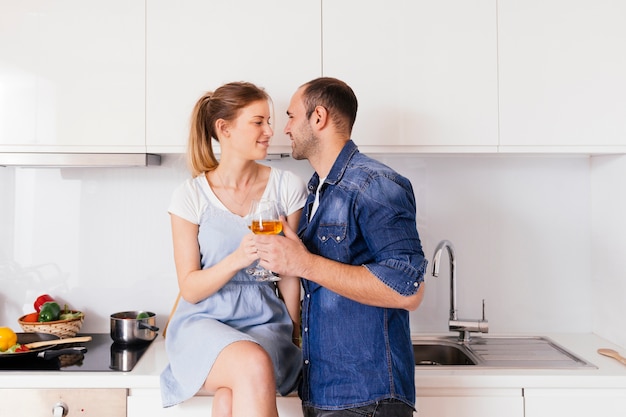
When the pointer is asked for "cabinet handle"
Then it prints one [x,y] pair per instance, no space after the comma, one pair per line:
[60,409]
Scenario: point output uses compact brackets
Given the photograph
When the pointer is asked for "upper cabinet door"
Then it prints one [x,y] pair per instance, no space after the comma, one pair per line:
[562,75]
[72,76]
[194,46]
[424,72]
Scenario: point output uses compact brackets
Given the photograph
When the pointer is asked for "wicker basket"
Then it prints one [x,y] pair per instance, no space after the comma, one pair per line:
[61,328]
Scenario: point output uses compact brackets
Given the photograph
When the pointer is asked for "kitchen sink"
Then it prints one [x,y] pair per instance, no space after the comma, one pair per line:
[440,352]
[526,352]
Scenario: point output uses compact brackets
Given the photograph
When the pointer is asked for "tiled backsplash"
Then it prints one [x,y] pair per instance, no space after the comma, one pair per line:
[99,238]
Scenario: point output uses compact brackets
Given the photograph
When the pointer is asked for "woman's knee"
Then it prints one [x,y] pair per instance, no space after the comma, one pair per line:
[241,361]
[251,358]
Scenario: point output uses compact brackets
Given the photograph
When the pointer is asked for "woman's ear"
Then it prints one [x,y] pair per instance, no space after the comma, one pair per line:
[221,128]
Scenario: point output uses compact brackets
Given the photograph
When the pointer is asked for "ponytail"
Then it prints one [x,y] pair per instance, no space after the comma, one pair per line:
[200,155]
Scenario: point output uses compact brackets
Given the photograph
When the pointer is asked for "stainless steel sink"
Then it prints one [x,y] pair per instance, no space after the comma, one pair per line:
[496,352]
[441,352]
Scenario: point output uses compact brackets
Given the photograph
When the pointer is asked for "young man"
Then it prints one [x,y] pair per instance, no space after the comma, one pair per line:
[358,251]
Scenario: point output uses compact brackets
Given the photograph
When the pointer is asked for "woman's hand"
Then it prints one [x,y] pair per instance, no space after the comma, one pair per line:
[246,253]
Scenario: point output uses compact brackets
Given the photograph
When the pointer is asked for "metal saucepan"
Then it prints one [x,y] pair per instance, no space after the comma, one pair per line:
[42,351]
[126,328]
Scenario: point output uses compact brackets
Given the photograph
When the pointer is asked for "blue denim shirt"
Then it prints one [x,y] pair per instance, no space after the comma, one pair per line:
[355,354]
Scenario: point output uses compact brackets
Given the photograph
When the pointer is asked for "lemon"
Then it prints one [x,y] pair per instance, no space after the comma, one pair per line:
[7,338]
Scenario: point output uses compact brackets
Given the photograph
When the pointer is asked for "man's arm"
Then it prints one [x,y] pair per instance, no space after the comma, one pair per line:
[287,255]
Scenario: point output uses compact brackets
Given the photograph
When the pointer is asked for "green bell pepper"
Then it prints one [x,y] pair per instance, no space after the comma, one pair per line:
[50,311]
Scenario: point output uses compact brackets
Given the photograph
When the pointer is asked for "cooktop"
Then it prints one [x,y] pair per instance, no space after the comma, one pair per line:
[102,355]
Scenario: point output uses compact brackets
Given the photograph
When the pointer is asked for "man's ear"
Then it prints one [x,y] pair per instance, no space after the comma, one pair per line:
[319,118]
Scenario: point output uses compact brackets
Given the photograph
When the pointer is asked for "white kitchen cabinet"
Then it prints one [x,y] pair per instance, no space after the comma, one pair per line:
[435,402]
[195,46]
[72,76]
[561,70]
[545,402]
[143,402]
[77,402]
[469,402]
[424,72]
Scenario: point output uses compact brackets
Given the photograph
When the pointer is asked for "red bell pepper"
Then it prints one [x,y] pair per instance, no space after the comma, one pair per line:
[41,300]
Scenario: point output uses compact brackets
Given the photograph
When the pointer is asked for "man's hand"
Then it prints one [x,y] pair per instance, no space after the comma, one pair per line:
[285,255]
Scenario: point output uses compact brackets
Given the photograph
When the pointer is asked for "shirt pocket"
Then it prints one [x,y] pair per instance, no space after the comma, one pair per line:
[333,242]
[331,233]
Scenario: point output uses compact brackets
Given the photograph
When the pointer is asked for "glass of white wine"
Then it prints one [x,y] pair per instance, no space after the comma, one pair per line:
[264,219]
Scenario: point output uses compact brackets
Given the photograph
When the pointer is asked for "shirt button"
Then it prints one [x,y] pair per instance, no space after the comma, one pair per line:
[415,284]
[306,361]
[338,238]
[308,296]
[323,238]
[306,329]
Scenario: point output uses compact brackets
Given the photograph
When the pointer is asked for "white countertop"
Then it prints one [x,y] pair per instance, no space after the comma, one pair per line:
[145,375]
[608,373]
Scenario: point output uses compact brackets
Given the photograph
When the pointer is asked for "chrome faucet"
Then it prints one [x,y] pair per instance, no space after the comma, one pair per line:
[463,326]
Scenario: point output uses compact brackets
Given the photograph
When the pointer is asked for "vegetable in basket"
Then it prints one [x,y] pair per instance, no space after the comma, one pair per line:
[32,317]
[50,311]
[40,301]
[69,315]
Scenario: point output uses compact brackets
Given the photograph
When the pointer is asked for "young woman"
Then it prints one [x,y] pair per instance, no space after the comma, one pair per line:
[231,336]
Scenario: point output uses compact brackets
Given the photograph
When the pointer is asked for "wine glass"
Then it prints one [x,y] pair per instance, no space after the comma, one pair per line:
[264,219]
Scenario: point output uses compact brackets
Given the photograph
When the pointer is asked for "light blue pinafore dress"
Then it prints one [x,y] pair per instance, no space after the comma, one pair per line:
[243,309]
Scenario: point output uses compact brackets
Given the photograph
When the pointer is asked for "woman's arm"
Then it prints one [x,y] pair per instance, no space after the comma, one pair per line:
[196,284]
[289,286]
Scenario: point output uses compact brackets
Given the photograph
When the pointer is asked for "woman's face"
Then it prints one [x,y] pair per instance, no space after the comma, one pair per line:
[251,131]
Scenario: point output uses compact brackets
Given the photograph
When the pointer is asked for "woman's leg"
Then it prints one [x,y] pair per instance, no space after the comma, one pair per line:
[222,403]
[247,371]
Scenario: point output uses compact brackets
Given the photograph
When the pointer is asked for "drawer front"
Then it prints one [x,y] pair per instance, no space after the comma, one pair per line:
[147,402]
[78,402]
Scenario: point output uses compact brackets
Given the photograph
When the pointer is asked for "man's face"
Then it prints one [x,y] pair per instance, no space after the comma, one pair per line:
[303,140]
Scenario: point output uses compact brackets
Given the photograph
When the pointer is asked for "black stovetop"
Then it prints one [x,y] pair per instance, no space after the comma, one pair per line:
[103,355]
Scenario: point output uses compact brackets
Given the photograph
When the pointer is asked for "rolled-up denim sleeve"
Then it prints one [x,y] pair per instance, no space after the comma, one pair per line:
[402,277]
[387,218]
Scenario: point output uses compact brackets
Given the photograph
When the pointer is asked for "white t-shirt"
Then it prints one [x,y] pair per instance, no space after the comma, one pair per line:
[188,201]
[316,202]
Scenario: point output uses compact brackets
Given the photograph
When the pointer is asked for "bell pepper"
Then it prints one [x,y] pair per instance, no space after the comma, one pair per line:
[39,302]
[8,338]
[17,348]
[32,317]
[50,311]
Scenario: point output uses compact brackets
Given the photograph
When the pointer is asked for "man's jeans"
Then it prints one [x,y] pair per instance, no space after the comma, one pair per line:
[385,408]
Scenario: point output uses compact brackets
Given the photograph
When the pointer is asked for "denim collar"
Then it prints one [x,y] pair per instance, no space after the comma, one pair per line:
[338,168]
[341,163]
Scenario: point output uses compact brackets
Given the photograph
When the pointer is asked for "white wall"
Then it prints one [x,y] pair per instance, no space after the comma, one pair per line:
[521,229]
[608,175]
[99,239]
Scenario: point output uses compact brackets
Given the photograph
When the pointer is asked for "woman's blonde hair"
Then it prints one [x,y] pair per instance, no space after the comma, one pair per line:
[224,103]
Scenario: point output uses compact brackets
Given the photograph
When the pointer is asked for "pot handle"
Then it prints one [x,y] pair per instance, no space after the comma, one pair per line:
[143,325]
